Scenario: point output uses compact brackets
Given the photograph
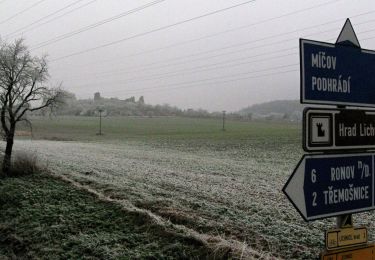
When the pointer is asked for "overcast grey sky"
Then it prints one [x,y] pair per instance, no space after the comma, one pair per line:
[222,61]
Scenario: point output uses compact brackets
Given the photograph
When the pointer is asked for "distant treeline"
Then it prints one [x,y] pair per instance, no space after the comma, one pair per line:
[288,110]
[119,107]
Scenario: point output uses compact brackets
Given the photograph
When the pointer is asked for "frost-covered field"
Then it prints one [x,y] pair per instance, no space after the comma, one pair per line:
[228,187]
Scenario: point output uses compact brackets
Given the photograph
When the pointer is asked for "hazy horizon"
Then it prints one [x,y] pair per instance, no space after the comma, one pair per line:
[215,55]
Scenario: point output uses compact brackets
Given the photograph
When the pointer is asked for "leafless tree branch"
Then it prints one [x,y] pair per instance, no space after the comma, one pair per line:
[22,89]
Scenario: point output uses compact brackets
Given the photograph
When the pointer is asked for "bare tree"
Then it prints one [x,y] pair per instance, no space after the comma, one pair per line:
[22,90]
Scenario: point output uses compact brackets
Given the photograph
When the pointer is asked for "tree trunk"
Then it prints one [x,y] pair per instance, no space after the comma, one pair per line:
[8,154]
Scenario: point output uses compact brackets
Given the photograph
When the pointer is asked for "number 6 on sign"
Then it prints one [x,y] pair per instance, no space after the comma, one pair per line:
[330,185]
[313,176]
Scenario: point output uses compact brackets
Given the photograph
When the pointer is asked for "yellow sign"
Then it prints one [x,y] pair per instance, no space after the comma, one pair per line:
[345,237]
[362,253]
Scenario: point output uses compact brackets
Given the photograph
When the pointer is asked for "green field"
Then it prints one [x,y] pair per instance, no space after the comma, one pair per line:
[189,133]
[44,218]
[220,184]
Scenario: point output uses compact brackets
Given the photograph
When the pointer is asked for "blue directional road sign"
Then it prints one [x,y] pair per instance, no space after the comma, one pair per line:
[325,186]
[336,74]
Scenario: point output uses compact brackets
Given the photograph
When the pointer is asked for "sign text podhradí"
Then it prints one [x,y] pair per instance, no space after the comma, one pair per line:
[334,74]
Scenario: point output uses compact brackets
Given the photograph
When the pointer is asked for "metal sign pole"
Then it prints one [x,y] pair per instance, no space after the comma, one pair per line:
[344,221]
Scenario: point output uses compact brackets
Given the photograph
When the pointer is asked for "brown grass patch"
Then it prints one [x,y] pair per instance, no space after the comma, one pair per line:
[177,216]
[25,164]
[57,138]
[23,133]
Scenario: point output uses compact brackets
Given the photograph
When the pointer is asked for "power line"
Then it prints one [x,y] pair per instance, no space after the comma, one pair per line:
[152,31]
[364,39]
[249,42]
[43,18]
[221,82]
[293,70]
[200,38]
[157,64]
[162,88]
[195,83]
[234,75]
[211,66]
[195,70]
[57,17]
[369,38]
[221,77]
[223,48]
[169,74]
[143,68]
[290,65]
[122,71]
[21,12]
[227,81]
[94,25]
[207,67]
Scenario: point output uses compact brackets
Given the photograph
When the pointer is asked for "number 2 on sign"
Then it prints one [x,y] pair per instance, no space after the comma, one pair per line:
[314,199]
[313,180]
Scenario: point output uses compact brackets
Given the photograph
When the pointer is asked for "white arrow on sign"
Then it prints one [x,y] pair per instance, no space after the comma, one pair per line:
[323,186]
[293,189]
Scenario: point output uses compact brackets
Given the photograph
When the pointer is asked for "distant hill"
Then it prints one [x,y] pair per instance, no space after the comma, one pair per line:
[286,109]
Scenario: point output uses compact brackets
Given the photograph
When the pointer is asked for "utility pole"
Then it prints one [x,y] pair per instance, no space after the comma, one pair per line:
[223,120]
[100,121]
